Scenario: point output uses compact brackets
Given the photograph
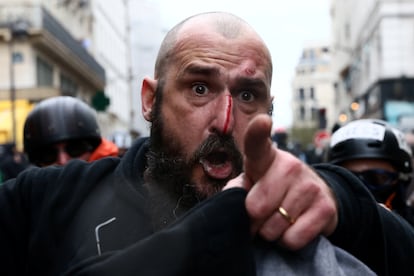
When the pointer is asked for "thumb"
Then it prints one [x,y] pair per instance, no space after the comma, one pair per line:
[258,148]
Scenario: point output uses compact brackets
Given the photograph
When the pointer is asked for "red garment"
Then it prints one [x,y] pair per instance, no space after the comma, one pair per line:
[105,149]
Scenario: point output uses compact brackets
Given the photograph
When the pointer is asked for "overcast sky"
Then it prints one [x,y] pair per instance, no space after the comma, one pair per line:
[286,27]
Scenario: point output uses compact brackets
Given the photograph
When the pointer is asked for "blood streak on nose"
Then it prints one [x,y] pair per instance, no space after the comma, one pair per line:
[228,113]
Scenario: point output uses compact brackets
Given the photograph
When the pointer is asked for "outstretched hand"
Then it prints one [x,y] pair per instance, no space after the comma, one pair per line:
[275,178]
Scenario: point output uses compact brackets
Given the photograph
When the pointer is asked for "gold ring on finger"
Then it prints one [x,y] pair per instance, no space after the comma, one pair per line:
[286,215]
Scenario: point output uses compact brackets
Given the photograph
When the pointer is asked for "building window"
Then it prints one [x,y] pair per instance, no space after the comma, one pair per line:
[347,30]
[311,54]
[44,73]
[67,86]
[314,114]
[312,93]
[301,94]
[302,113]
[17,57]
[304,55]
[367,65]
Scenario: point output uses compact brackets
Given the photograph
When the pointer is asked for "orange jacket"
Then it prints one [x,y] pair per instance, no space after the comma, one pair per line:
[105,149]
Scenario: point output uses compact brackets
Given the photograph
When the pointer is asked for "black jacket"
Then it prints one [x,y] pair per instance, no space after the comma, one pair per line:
[59,219]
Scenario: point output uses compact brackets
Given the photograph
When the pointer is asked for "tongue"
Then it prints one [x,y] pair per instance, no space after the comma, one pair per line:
[218,171]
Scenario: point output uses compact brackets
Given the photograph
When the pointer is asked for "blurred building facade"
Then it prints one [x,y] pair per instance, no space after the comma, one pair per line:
[147,32]
[373,58]
[313,101]
[101,27]
[80,48]
[40,59]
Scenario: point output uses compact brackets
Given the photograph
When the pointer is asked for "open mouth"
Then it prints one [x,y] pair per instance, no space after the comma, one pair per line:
[217,164]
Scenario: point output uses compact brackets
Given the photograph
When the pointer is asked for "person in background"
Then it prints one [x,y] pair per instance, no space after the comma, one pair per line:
[207,193]
[63,128]
[379,155]
[12,162]
[409,136]
[281,138]
[122,140]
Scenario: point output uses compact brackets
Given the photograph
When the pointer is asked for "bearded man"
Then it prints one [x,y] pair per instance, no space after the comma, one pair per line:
[208,193]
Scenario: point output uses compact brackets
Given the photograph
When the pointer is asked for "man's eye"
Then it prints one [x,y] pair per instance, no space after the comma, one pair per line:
[200,89]
[246,96]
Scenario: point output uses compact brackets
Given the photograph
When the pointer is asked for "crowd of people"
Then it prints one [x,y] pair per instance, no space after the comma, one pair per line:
[208,192]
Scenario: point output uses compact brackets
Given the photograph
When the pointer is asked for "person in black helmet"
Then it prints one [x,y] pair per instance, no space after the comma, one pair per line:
[62,128]
[380,156]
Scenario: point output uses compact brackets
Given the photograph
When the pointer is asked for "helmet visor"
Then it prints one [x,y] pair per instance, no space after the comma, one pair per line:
[377,179]
[47,155]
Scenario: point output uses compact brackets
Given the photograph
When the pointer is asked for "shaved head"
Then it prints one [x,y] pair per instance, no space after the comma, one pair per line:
[225,24]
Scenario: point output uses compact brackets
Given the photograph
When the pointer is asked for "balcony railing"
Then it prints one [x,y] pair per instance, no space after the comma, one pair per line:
[55,39]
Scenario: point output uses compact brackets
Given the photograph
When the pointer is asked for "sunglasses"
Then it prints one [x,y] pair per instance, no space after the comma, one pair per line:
[377,179]
[48,155]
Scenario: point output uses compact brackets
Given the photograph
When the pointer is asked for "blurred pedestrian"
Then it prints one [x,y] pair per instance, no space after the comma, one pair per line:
[409,136]
[12,162]
[281,138]
[122,140]
[63,128]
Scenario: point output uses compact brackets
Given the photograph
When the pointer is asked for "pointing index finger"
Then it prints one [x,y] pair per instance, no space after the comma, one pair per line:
[258,147]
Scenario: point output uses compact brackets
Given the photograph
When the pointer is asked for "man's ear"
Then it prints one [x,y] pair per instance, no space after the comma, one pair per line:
[148,89]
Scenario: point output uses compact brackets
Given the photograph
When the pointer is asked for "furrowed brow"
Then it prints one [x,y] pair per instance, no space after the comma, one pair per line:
[251,82]
[196,69]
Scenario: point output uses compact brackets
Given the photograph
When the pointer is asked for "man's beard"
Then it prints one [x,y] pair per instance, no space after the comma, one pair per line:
[168,176]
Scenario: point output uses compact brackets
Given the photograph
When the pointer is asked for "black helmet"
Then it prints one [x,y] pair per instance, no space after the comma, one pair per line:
[60,119]
[371,138]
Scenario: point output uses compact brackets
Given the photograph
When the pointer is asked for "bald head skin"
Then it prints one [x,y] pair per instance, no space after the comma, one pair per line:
[225,24]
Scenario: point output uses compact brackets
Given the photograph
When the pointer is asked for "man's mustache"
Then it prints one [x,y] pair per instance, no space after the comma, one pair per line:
[219,143]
